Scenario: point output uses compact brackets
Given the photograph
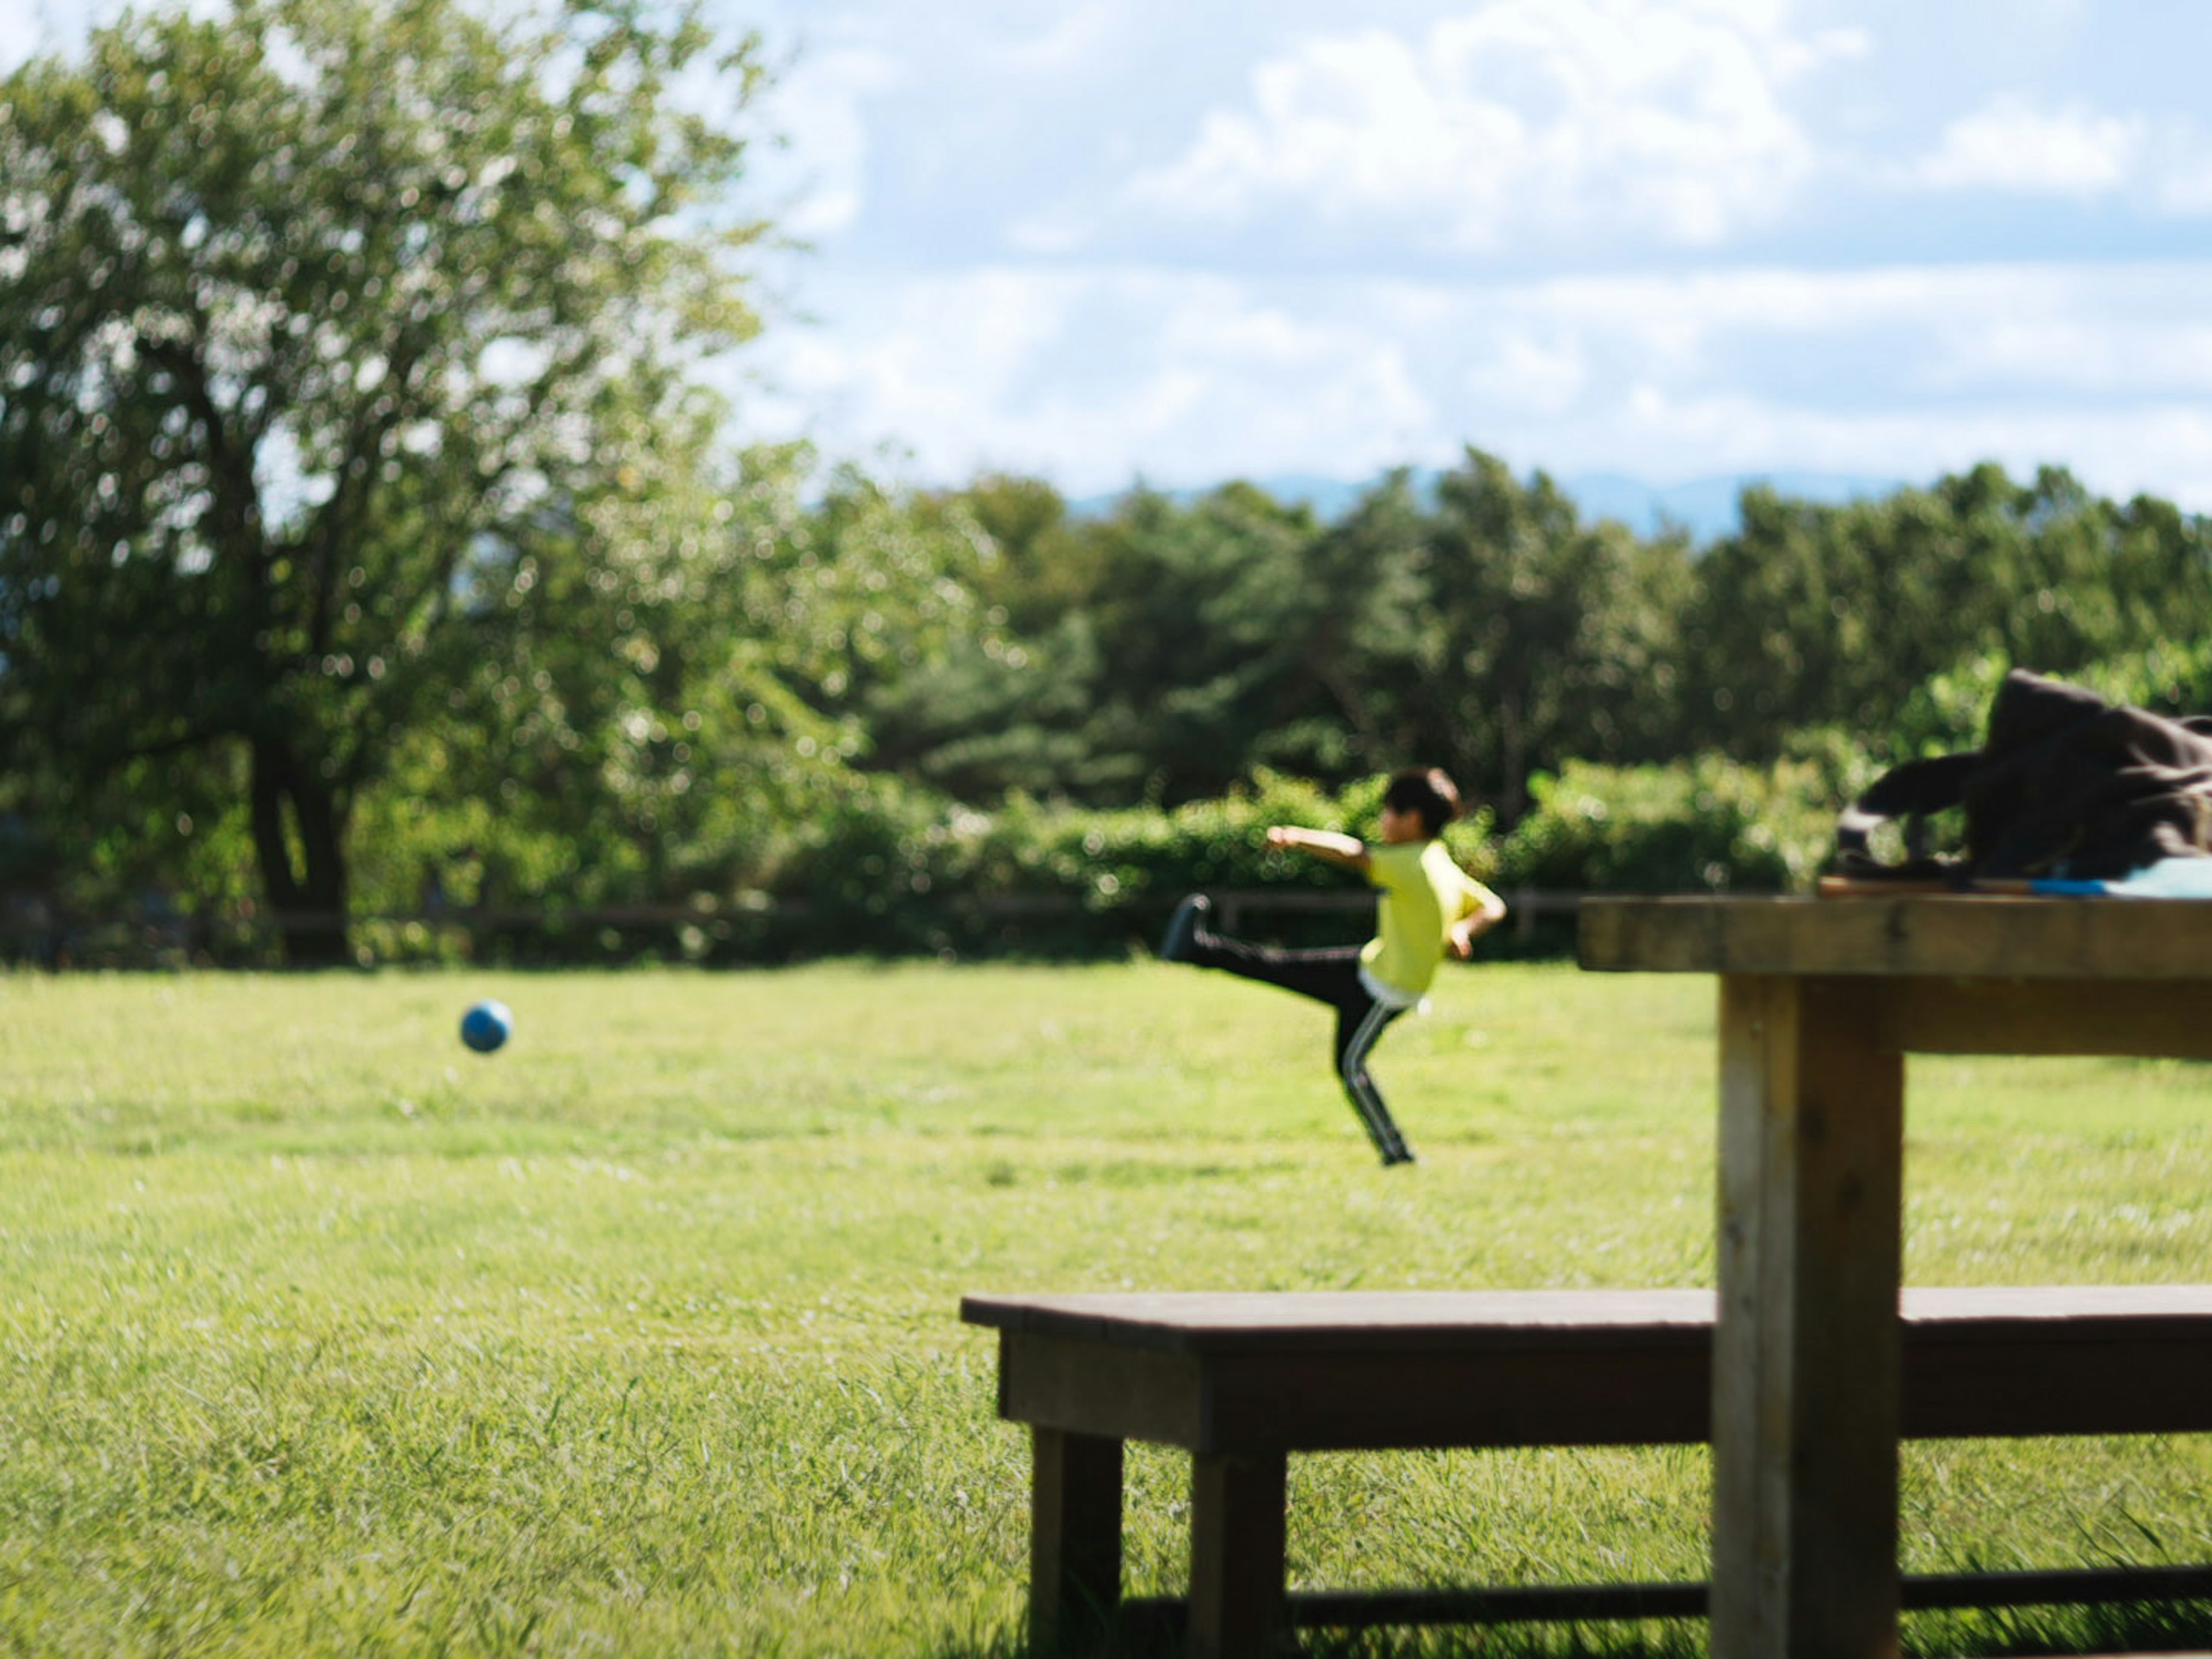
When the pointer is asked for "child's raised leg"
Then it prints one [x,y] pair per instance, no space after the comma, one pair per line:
[1330,975]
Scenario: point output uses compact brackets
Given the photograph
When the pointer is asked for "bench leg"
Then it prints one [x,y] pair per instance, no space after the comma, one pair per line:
[1075,1538]
[1236,1595]
[1807,1352]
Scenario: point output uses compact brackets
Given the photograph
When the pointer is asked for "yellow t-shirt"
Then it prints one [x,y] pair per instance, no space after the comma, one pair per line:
[1422,893]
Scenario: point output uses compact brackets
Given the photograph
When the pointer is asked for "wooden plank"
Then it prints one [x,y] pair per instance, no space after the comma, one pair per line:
[1973,1390]
[1258,1321]
[1091,1387]
[1806,1354]
[2057,1360]
[1970,936]
[1237,1609]
[1990,1361]
[2170,1018]
[2001,1313]
[2043,1372]
[1625,1394]
[1356,1322]
[1075,1538]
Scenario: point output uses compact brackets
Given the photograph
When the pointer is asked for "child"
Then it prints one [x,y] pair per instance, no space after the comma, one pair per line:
[1427,905]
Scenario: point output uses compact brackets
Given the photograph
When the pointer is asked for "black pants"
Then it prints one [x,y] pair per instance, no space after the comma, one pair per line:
[1332,976]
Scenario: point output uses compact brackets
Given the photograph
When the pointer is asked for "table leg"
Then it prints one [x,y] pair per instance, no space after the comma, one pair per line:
[1236,1593]
[1805,1356]
[1075,1537]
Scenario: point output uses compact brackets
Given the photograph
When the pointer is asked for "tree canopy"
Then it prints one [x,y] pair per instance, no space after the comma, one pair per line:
[324,328]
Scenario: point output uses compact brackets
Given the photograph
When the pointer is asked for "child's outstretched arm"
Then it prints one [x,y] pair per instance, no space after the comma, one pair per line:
[1475,923]
[1345,850]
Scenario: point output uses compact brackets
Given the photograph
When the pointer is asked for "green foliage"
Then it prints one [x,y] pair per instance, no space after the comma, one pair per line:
[1818,615]
[891,870]
[1173,649]
[1948,712]
[1164,652]
[1170,650]
[1539,638]
[2172,676]
[1708,825]
[325,326]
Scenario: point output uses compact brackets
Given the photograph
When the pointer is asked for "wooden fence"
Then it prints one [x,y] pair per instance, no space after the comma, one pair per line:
[1524,906]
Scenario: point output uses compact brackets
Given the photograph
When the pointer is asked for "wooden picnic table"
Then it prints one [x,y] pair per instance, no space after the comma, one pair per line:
[1820,1001]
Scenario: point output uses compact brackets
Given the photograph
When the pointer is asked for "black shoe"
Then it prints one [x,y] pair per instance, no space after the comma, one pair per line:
[1403,1155]
[1183,928]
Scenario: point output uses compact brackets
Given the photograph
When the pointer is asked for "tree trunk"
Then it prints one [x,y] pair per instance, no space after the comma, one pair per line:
[310,902]
[1512,760]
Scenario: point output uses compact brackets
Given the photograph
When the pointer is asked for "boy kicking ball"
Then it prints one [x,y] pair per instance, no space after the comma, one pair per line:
[1427,905]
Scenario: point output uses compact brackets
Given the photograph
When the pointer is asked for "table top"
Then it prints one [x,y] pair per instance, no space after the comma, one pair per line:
[1947,935]
[1221,1321]
[1255,1322]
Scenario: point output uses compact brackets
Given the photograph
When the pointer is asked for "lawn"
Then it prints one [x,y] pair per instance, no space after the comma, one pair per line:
[320,1334]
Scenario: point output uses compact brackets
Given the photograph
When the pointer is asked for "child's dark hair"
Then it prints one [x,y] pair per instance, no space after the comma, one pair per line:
[1427,791]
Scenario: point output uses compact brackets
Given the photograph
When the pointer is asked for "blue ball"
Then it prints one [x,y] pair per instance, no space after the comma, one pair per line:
[487,1025]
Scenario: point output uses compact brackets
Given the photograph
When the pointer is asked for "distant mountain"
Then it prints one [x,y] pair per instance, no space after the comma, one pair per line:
[1705,507]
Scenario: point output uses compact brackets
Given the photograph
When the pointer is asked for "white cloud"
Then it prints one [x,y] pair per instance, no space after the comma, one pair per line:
[2011,145]
[1064,46]
[1546,376]
[2178,182]
[1087,376]
[2185,192]
[1522,116]
[1047,234]
[2157,447]
[819,108]
[1090,376]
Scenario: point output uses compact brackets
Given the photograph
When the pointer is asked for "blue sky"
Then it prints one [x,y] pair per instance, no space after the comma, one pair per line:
[1671,238]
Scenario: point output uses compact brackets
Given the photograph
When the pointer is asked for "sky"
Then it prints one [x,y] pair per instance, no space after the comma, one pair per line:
[1182,241]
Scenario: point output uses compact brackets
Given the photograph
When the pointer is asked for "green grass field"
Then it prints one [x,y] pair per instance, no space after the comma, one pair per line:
[320,1334]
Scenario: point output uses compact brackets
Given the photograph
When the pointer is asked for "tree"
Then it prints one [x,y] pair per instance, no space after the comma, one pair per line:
[1162,652]
[1540,638]
[1198,615]
[318,321]
[1816,615]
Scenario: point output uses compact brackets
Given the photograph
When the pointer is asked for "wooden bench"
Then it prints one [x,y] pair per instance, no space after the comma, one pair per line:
[1240,1381]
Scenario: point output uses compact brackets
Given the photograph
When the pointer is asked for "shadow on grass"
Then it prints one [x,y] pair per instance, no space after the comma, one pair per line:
[2119,1627]
[1996,1633]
